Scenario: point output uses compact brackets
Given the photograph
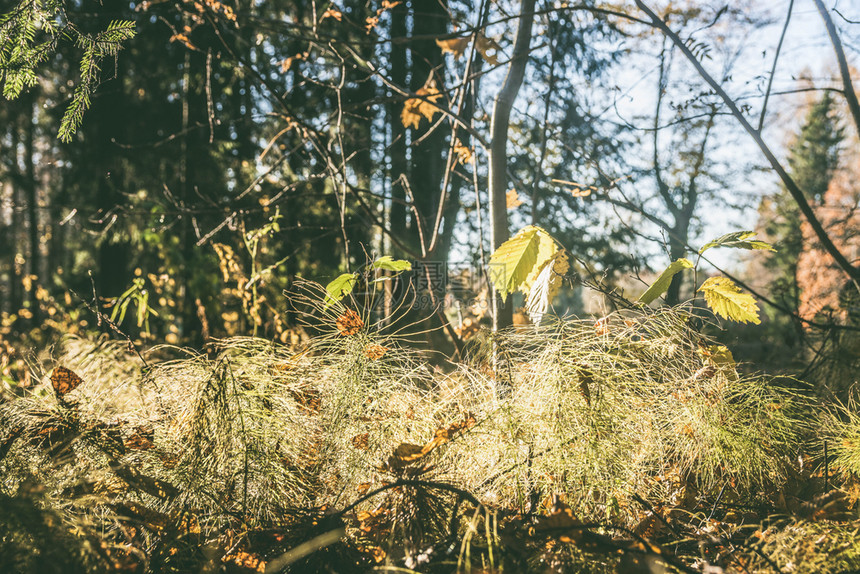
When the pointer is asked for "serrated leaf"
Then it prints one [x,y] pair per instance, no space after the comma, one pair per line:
[390,264]
[737,240]
[726,300]
[545,287]
[514,260]
[339,288]
[661,285]
[547,250]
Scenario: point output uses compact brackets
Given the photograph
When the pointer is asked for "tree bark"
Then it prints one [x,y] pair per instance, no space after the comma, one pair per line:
[499,232]
[399,167]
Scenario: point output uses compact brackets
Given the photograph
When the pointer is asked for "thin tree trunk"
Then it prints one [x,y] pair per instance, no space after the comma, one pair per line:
[499,232]
[35,258]
[15,274]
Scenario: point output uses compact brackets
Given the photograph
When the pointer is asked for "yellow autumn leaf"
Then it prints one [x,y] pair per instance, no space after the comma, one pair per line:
[517,262]
[661,285]
[489,49]
[726,300]
[512,199]
[454,46]
[547,249]
[416,108]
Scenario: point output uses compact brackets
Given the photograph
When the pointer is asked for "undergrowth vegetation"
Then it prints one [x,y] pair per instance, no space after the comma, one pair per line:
[627,445]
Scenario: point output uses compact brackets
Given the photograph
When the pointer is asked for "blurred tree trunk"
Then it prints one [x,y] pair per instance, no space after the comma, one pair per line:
[15,222]
[429,20]
[399,165]
[34,258]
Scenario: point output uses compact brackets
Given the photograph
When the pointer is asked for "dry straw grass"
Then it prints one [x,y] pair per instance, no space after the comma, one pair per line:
[638,404]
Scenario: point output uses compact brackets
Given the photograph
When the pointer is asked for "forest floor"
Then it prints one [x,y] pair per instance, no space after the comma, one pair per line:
[630,445]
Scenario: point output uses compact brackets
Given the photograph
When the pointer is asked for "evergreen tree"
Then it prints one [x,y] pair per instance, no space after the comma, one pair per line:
[813,159]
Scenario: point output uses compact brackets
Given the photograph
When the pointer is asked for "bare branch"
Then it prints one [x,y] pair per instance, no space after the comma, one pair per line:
[796,193]
[773,68]
[847,86]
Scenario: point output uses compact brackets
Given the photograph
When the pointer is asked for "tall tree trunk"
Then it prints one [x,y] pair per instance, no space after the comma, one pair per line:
[429,20]
[677,250]
[499,232]
[399,165]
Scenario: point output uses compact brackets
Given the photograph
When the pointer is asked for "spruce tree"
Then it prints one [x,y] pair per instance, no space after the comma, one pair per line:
[812,160]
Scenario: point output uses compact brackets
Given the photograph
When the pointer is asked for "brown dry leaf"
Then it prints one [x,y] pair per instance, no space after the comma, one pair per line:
[64,381]
[409,116]
[308,399]
[512,199]
[374,352]
[362,488]
[489,49]
[407,453]
[454,46]
[445,434]
[349,323]
[245,560]
[371,520]
[576,189]
[361,441]
[560,523]
[291,364]
[287,63]
[464,153]
[378,554]
[141,439]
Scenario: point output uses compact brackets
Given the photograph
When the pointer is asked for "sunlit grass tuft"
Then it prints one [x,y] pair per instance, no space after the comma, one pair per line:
[255,435]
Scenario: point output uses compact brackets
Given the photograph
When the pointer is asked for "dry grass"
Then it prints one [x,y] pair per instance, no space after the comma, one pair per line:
[254,437]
